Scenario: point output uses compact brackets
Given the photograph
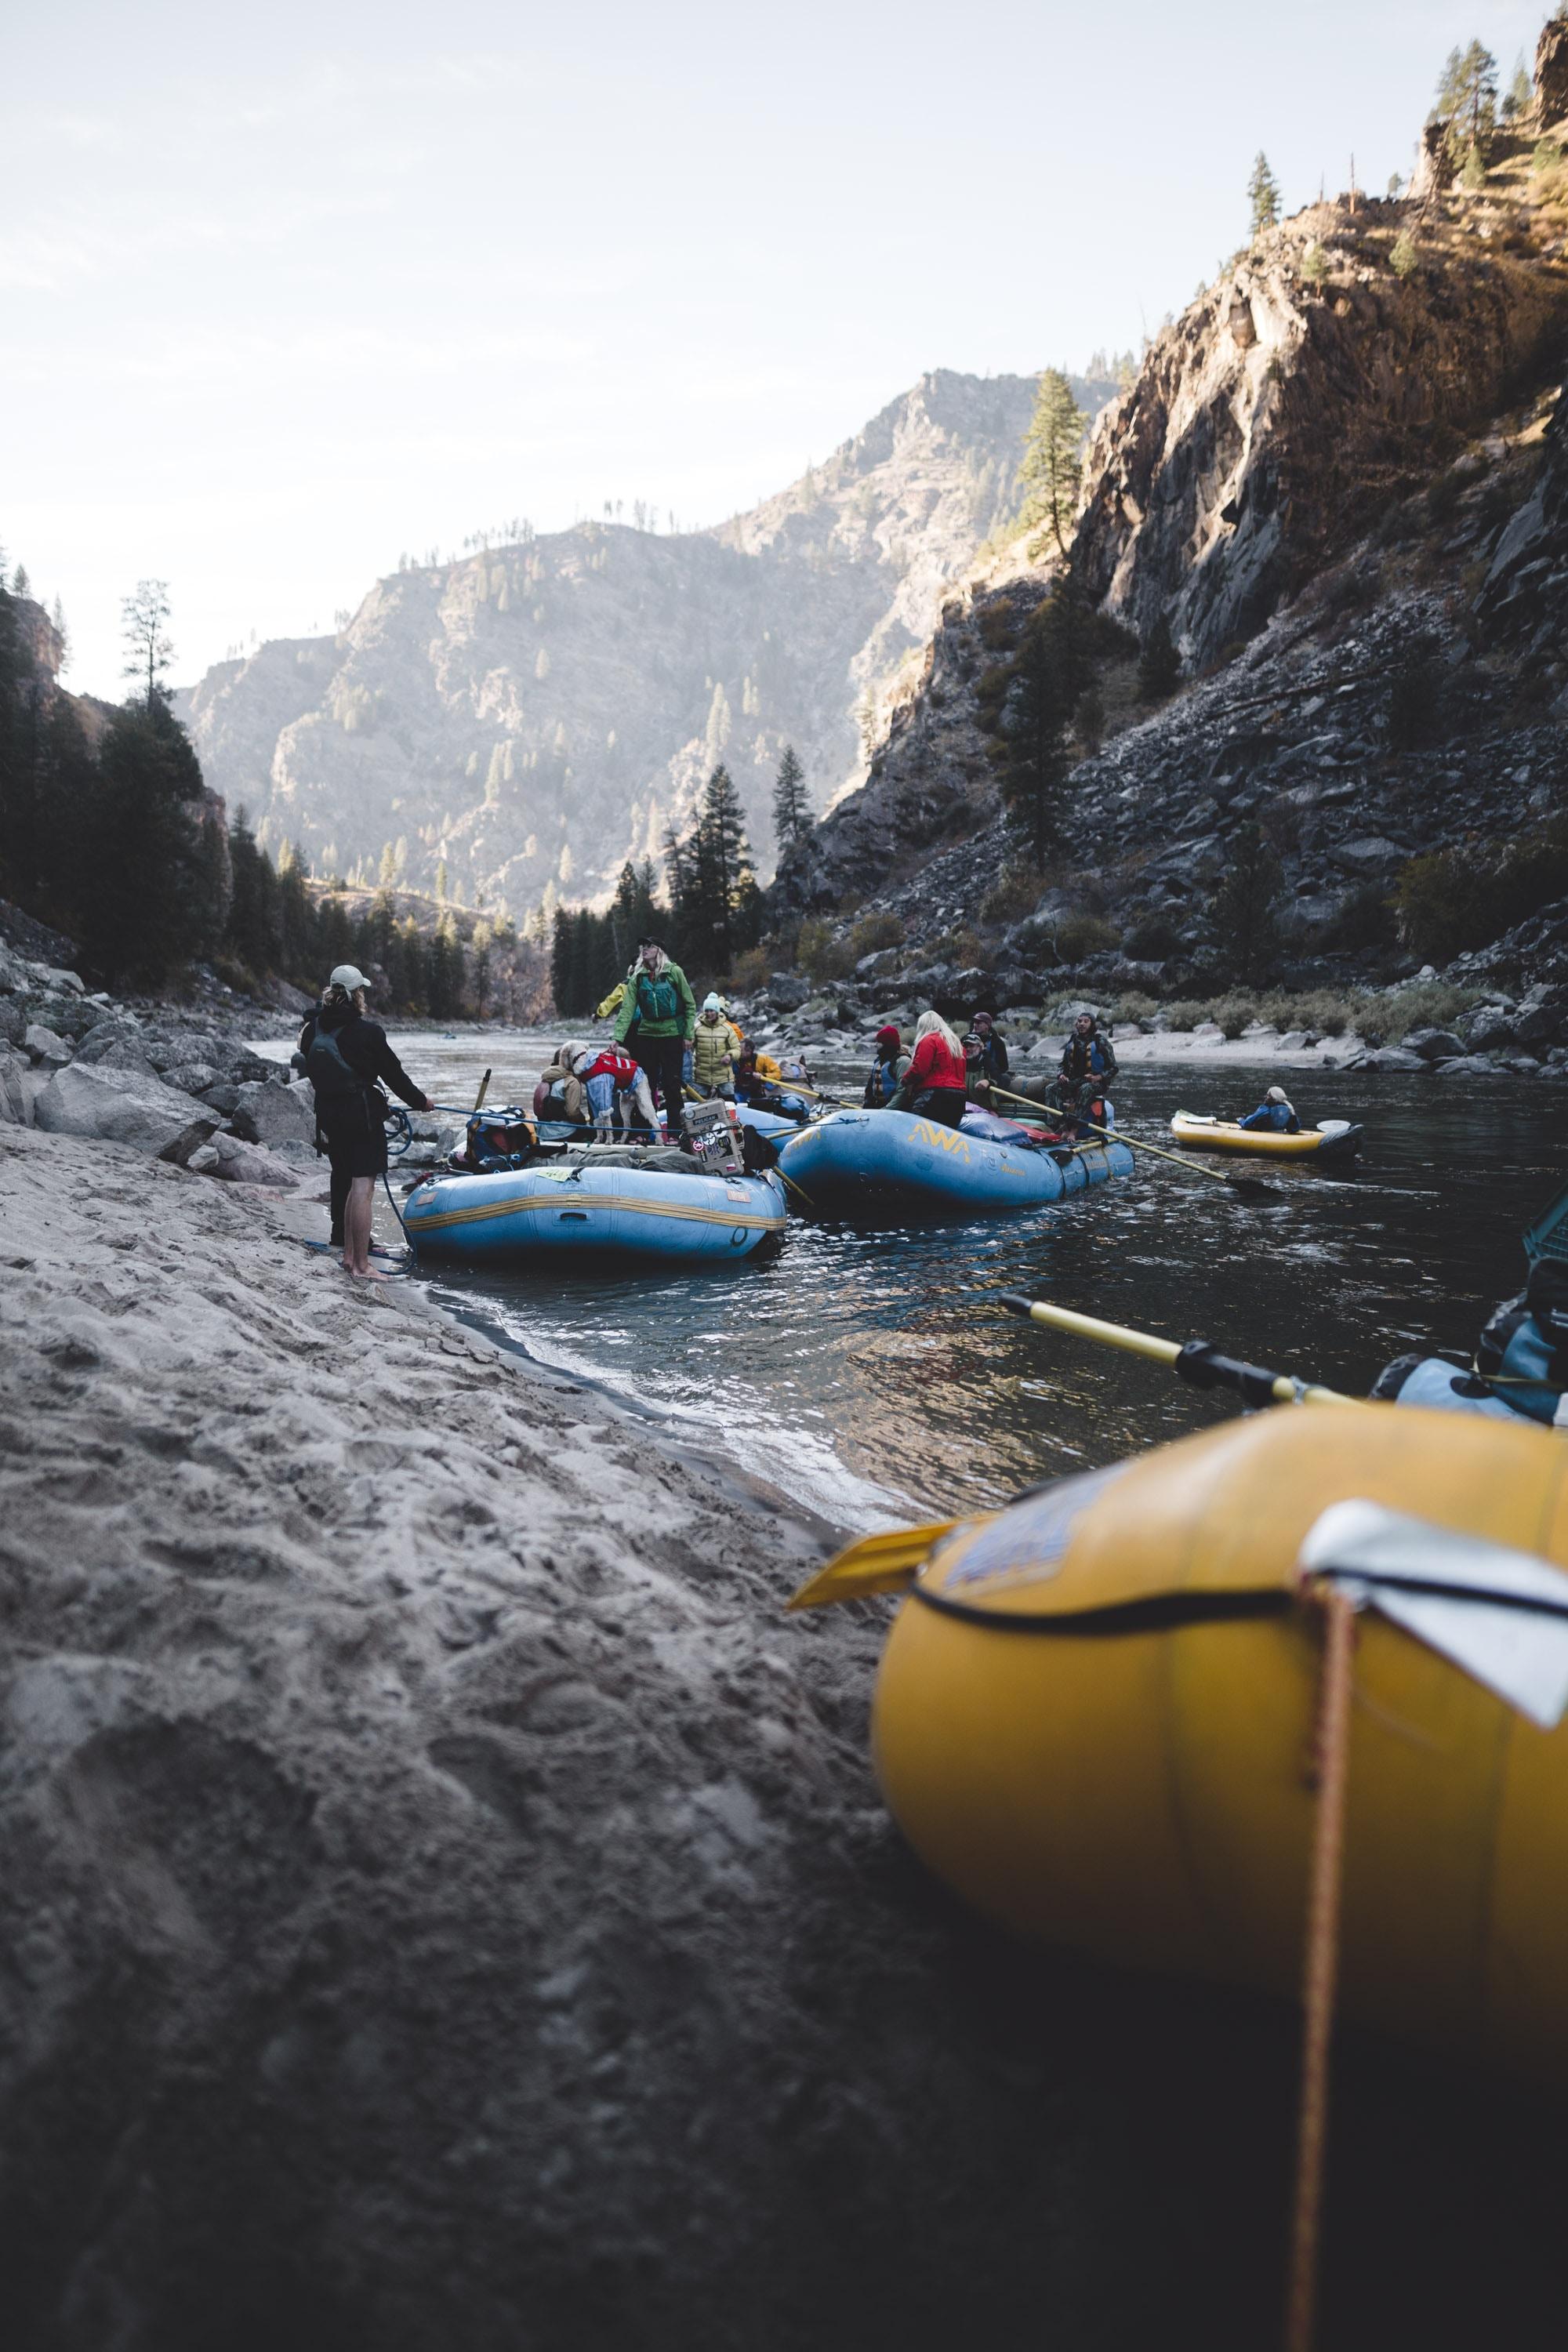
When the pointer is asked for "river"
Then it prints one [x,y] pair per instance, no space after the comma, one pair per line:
[875,1377]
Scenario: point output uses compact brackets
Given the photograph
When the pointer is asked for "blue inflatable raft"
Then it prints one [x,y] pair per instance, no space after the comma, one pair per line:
[573,1206]
[886,1163]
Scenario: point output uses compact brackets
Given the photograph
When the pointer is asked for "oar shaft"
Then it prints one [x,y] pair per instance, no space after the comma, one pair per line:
[1115,1135]
[484,1089]
[1193,1360]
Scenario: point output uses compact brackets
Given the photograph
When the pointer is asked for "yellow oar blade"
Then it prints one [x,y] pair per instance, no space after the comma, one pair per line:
[884,1563]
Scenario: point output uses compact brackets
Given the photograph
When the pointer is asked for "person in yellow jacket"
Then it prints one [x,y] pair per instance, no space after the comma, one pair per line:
[612,1004]
[716,1045]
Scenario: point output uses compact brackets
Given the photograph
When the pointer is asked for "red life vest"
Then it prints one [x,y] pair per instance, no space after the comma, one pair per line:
[613,1064]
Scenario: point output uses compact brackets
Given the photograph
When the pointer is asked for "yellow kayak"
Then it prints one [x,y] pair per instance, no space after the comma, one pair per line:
[1337,1138]
[1096,1712]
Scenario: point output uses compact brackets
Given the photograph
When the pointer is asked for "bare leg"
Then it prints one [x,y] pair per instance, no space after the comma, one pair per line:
[357,1214]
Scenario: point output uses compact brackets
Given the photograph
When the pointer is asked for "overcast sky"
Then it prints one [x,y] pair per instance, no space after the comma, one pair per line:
[288,291]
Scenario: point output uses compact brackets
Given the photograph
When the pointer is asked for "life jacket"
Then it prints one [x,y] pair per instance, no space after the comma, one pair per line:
[657,998]
[613,1064]
[1086,1057]
[1524,1348]
[885,1077]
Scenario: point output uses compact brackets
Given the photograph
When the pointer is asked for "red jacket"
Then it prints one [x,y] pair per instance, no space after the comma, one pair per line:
[934,1064]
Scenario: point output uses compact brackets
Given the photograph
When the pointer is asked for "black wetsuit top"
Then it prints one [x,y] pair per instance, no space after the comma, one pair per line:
[363,1046]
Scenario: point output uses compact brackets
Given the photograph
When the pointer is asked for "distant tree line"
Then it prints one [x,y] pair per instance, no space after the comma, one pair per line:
[119,843]
[709,915]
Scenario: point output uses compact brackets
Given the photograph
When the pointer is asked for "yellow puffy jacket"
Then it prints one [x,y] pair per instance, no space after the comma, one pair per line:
[715,1048]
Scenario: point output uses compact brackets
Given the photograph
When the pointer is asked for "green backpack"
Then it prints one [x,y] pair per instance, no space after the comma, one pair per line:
[658,1000]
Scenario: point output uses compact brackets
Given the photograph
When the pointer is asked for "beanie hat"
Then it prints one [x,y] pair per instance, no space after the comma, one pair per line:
[710,1003]
[889,1035]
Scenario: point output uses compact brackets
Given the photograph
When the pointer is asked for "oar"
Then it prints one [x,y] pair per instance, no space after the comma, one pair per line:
[484,1089]
[1249,1187]
[1197,1361]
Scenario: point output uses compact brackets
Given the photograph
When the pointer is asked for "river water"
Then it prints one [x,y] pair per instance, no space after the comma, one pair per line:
[875,1377]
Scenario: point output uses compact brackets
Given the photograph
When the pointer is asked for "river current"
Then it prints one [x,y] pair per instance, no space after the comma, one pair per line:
[875,1376]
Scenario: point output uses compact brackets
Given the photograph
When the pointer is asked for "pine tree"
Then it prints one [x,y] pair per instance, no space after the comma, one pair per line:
[58,618]
[1520,90]
[1159,664]
[1052,465]
[21,585]
[561,962]
[792,809]
[1263,195]
[146,898]
[148,649]
[1242,908]
[1036,748]
[1467,100]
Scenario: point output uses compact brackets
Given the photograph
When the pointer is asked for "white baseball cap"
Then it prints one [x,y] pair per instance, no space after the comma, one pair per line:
[349,976]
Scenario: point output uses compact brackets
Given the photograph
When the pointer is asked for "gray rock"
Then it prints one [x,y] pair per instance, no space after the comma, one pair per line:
[1537,1024]
[223,1098]
[111,1030]
[1433,1044]
[192,1078]
[13,1021]
[124,1053]
[52,977]
[1387,1057]
[123,1107]
[1487,1031]
[14,1103]
[1371,853]
[289,999]
[271,1115]
[786,991]
[246,1164]
[46,1045]
[203,1161]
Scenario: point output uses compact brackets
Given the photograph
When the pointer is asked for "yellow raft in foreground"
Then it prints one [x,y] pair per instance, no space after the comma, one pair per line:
[1094,1715]
[1337,1138]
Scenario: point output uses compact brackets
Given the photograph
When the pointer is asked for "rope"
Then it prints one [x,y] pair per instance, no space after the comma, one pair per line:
[1321,1962]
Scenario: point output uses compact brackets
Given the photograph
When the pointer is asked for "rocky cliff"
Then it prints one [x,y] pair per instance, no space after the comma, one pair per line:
[538,712]
[1361,470]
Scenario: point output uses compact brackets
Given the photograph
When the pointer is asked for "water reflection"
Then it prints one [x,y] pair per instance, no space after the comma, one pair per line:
[874,1374]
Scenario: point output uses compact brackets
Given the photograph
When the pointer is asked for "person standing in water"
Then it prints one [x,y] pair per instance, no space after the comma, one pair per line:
[347,1062]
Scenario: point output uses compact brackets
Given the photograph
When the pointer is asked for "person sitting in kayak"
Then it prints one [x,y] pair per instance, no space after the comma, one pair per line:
[935,1086]
[715,1049]
[889,1070]
[1275,1115]
[986,1053]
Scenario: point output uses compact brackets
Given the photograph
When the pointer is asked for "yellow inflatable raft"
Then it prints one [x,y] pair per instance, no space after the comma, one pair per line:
[1096,1713]
[1336,1138]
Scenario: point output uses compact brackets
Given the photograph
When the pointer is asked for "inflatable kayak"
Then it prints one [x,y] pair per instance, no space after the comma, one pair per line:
[1336,1138]
[572,1206]
[1095,1711]
[889,1163]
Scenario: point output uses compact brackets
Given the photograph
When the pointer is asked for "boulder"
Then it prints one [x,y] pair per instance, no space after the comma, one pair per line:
[1387,1057]
[106,1032]
[271,1115]
[786,991]
[191,1078]
[1487,1031]
[1533,1024]
[124,1107]
[124,1053]
[13,1021]
[13,1099]
[289,999]
[46,1045]
[223,1098]
[1433,1044]
[52,977]
[1371,853]
[238,1162]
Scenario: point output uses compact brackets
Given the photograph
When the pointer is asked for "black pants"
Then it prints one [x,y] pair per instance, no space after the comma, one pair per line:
[664,1059]
[341,1182]
[944,1104]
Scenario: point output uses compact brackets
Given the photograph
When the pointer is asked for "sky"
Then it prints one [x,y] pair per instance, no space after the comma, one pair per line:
[288,292]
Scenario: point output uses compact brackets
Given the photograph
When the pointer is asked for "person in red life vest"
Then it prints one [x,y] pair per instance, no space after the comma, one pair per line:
[936,1083]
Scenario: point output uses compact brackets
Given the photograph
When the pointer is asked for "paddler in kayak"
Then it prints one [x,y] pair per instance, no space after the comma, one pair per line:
[1275,1115]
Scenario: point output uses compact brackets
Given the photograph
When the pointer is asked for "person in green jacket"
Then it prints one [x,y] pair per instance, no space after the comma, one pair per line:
[656,1022]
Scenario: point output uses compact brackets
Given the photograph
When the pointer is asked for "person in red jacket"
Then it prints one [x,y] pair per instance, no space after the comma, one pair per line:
[936,1083]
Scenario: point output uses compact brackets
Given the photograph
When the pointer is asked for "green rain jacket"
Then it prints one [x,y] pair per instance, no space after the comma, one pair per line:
[646,1010]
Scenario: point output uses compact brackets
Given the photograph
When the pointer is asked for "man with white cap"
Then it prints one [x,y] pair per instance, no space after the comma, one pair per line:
[1274,1114]
[346,1056]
